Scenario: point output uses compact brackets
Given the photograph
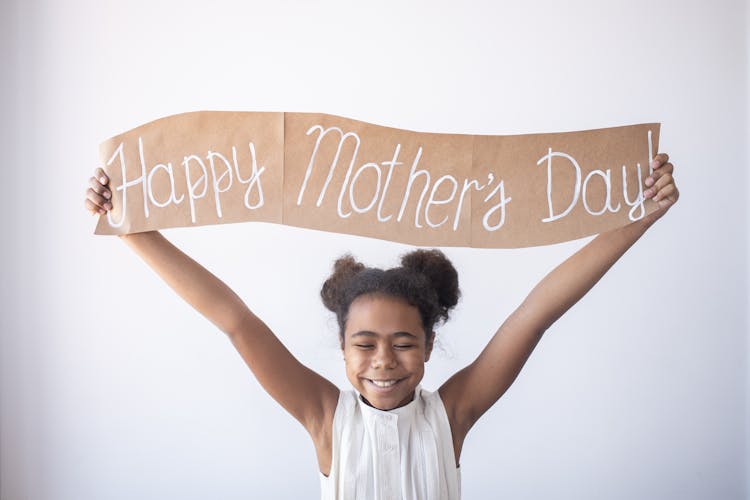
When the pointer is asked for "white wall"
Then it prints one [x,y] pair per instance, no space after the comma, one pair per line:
[747,240]
[114,389]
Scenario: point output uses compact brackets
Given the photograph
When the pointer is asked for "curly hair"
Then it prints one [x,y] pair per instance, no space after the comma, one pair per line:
[426,279]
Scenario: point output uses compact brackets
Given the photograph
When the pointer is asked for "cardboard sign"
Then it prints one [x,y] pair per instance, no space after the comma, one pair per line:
[337,174]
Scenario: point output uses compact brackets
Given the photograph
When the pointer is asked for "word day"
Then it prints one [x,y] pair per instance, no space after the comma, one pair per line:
[580,187]
[193,181]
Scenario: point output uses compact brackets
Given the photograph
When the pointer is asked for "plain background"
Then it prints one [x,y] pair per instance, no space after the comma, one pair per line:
[114,389]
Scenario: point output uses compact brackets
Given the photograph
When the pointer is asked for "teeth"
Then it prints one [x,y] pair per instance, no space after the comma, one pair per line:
[383,383]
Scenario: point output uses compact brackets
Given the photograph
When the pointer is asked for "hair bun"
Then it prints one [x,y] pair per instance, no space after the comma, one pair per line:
[344,269]
[440,273]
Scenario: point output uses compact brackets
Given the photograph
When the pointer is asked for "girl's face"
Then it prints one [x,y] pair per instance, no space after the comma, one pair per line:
[385,350]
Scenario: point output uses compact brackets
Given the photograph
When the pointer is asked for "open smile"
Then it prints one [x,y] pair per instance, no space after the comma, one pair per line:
[384,385]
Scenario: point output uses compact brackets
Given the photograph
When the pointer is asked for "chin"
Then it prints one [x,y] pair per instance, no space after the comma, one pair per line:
[398,393]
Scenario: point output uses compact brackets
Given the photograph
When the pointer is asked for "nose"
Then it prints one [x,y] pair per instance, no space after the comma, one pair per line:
[384,358]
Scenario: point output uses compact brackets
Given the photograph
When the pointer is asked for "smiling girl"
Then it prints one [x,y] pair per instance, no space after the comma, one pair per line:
[389,438]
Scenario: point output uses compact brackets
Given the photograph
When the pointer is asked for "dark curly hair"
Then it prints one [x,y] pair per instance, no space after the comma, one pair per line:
[426,280]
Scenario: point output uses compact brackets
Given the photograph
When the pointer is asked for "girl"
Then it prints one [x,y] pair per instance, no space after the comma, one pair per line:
[389,438]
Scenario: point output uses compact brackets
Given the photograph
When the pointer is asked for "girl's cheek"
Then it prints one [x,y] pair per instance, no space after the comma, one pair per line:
[362,359]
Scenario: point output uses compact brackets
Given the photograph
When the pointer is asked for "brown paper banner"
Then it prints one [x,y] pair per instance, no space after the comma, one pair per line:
[336,174]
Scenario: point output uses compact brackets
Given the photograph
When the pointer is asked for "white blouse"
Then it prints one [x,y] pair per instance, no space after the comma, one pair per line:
[401,454]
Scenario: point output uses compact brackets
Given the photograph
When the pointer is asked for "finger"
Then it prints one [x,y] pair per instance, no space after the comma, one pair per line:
[667,193]
[661,182]
[659,159]
[99,188]
[666,168]
[98,200]
[101,176]
[93,209]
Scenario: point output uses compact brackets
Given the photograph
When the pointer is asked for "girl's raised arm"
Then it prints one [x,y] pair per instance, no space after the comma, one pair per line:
[309,397]
[473,390]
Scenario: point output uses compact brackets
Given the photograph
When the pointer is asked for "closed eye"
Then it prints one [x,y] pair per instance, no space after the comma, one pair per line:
[404,346]
[364,346]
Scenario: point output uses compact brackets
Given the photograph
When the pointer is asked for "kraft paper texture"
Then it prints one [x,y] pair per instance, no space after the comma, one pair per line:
[341,175]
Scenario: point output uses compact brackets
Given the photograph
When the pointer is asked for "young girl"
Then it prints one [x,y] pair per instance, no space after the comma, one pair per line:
[389,438]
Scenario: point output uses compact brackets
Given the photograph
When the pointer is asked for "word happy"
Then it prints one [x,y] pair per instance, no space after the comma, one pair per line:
[215,171]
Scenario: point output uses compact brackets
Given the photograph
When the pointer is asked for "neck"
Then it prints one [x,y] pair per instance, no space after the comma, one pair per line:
[402,404]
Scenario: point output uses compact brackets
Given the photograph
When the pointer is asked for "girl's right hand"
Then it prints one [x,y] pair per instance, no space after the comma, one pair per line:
[98,195]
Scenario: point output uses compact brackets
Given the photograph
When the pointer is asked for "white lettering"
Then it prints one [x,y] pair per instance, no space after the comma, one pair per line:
[607,177]
[192,194]
[467,185]
[253,180]
[639,199]
[413,174]
[342,138]
[499,206]
[172,196]
[391,164]
[354,181]
[432,201]
[577,191]
[216,181]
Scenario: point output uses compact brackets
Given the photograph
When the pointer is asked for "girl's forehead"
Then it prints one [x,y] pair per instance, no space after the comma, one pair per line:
[383,315]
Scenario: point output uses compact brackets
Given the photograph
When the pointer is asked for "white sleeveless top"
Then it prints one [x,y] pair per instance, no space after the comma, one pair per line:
[401,454]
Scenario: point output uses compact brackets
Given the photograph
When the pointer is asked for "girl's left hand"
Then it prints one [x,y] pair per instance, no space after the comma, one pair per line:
[661,187]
